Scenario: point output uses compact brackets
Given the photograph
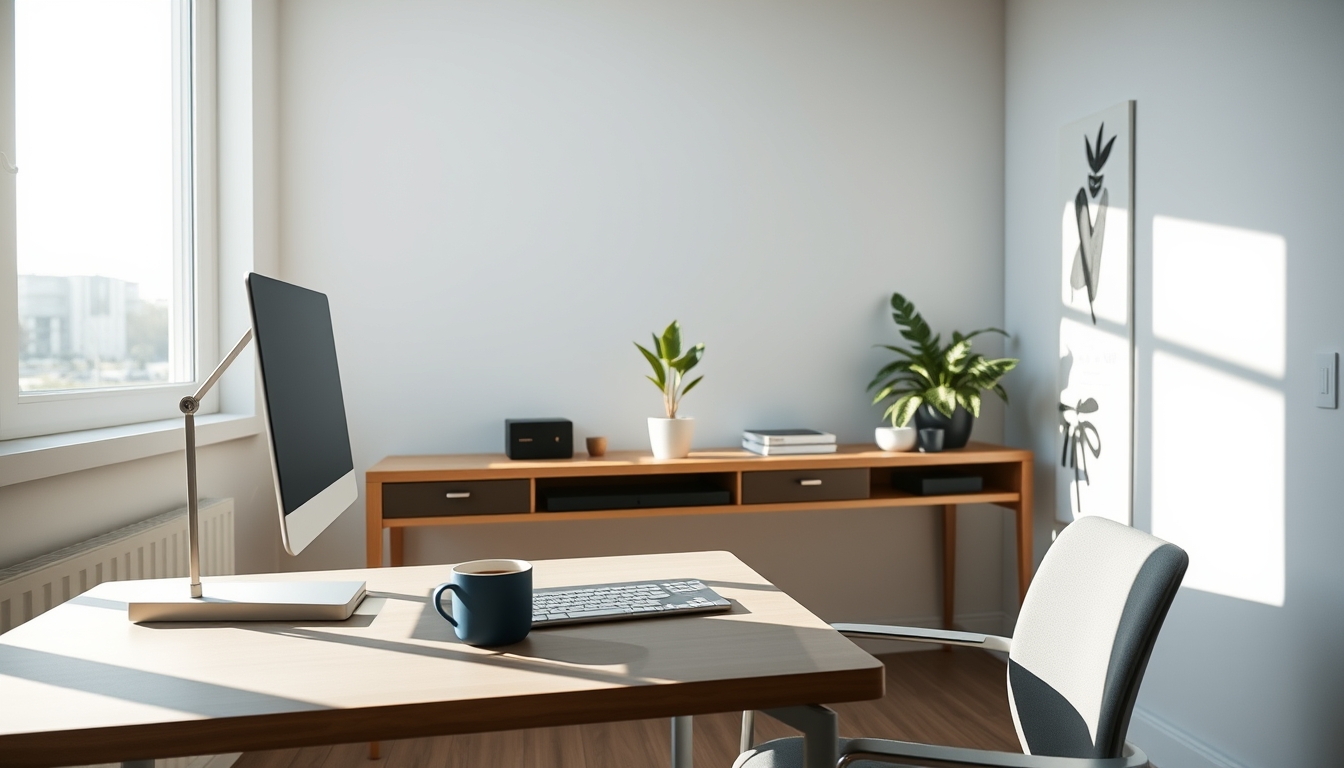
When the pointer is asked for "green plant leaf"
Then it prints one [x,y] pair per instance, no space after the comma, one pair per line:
[899,350]
[914,327]
[691,386]
[689,360]
[656,363]
[888,391]
[903,410]
[672,341]
[897,386]
[955,357]
[656,383]
[1001,392]
[942,398]
[901,366]
[923,373]
[970,400]
[973,334]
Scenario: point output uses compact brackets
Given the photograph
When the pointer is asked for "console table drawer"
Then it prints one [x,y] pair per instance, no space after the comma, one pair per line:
[803,485]
[472,497]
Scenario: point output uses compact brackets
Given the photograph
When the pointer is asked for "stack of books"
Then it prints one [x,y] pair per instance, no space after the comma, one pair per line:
[778,442]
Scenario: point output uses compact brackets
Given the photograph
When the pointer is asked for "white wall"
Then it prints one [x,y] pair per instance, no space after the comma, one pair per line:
[500,197]
[1238,112]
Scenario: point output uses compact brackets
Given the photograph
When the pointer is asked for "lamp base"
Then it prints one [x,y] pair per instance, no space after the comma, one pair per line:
[170,600]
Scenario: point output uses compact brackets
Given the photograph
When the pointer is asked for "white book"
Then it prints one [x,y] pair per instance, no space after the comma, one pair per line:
[782,450]
[788,437]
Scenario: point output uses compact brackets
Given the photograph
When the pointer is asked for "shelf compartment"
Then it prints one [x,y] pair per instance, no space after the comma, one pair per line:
[635,493]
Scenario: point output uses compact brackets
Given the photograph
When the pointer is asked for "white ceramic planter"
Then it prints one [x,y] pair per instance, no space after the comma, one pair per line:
[671,438]
[896,438]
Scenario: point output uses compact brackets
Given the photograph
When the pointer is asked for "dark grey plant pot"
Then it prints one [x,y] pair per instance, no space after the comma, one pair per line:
[956,430]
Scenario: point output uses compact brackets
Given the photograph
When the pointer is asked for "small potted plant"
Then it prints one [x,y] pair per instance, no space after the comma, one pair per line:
[671,437]
[939,386]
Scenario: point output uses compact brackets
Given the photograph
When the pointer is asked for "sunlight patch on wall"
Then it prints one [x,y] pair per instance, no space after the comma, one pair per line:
[1221,291]
[1218,421]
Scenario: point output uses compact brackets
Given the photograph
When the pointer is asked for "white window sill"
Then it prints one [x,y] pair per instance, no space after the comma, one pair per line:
[33,458]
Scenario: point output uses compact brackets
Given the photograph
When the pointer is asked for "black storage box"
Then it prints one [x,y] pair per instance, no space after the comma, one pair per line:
[936,482]
[539,438]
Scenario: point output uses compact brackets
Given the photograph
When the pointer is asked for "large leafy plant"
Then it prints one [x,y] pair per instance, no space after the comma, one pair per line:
[942,377]
[670,366]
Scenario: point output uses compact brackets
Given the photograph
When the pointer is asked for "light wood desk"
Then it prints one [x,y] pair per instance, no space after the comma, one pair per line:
[81,684]
[488,489]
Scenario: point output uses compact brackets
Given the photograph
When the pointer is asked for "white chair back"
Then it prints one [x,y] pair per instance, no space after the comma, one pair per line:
[1083,637]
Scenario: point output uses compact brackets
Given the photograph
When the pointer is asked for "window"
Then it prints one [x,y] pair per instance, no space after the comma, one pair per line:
[105,283]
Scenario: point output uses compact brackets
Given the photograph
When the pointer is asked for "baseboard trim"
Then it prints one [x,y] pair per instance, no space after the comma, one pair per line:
[1169,746]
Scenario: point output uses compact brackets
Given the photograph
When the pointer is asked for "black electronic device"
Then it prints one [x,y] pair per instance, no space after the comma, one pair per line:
[936,482]
[539,438]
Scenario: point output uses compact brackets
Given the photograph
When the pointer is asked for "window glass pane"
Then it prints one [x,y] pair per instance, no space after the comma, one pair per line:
[103,241]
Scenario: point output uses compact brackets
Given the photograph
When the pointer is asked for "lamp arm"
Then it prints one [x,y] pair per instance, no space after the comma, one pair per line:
[189,405]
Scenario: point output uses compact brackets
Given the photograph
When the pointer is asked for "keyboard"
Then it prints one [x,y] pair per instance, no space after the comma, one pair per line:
[627,600]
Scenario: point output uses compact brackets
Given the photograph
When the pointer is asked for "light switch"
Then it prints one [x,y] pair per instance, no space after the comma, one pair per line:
[1327,380]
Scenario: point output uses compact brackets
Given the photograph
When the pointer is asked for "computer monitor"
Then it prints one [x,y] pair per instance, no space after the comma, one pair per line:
[303,408]
[313,471]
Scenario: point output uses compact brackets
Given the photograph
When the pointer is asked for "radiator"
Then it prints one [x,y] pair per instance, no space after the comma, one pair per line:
[150,549]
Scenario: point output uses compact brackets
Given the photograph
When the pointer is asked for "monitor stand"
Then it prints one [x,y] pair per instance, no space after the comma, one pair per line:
[241,599]
[234,598]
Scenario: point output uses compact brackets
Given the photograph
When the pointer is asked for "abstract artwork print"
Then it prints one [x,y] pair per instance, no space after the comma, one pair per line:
[1096,335]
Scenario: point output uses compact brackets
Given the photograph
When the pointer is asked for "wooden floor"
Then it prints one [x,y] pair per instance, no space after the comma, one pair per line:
[942,697]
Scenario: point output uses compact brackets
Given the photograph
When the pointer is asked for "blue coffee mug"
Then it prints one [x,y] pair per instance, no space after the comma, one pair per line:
[492,601]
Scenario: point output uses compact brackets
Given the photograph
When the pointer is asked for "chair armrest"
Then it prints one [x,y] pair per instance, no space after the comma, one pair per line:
[921,635]
[882,750]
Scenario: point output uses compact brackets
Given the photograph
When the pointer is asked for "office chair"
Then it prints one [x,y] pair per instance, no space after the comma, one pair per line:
[1075,661]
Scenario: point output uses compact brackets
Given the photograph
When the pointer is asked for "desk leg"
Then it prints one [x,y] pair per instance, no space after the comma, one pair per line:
[373,525]
[397,537]
[137,764]
[1024,514]
[821,732]
[949,563]
[375,750]
[682,741]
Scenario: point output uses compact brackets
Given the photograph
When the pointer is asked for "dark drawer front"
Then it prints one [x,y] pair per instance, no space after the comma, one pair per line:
[803,485]
[474,497]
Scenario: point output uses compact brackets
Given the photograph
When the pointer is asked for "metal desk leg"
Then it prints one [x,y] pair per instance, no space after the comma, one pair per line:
[682,739]
[137,764]
[821,733]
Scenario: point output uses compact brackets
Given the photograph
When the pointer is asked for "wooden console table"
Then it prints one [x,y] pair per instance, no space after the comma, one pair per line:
[489,489]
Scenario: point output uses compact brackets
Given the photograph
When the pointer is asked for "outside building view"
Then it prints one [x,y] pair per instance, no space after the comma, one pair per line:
[103,194]
[82,331]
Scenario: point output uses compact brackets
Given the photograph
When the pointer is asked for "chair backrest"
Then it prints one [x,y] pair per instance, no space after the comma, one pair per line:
[1083,637]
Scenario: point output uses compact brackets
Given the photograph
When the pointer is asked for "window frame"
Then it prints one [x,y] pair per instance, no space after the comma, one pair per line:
[34,414]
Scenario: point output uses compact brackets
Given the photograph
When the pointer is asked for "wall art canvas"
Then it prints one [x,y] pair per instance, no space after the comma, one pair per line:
[1096,338]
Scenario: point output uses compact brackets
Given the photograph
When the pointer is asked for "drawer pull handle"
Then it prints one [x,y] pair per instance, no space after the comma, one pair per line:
[809,482]
[458,495]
